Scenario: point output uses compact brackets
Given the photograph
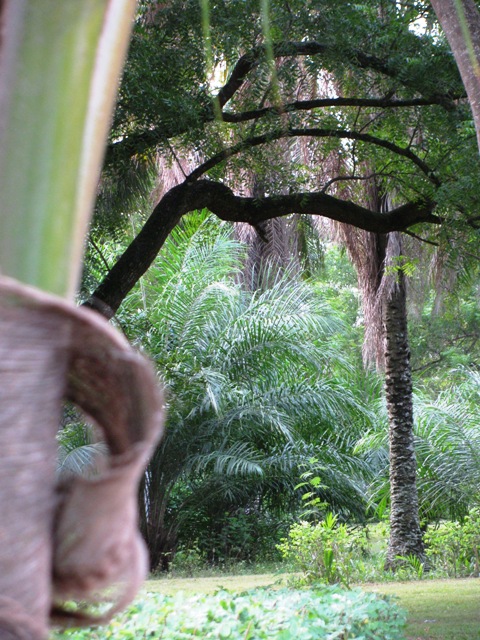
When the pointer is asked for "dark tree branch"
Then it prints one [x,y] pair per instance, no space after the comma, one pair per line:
[420,239]
[255,141]
[141,141]
[100,254]
[221,201]
[308,105]
[356,57]
[354,178]
[252,59]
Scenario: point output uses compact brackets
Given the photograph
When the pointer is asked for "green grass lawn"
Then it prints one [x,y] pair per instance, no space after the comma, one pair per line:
[437,609]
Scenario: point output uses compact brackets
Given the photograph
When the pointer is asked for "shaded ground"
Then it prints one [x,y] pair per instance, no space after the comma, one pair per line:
[438,609]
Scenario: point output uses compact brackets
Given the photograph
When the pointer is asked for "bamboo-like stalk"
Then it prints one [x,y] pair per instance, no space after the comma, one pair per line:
[59,67]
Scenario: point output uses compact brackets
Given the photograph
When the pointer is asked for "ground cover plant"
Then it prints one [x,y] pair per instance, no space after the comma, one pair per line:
[328,551]
[323,612]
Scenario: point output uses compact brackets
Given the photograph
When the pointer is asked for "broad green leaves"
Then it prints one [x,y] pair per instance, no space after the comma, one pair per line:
[322,613]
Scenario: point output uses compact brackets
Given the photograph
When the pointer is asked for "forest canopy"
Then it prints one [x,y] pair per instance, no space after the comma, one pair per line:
[257,115]
[301,126]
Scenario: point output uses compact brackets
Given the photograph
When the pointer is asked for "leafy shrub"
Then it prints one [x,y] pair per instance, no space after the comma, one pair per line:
[231,537]
[188,561]
[246,537]
[327,551]
[329,612]
[454,547]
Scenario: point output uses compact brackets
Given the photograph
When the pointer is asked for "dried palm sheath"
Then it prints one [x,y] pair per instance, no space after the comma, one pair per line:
[79,540]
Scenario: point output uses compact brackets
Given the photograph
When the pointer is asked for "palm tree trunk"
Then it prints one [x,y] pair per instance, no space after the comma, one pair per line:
[405,533]
[386,344]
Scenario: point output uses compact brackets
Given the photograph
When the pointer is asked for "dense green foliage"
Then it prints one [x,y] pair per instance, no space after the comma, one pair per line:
[327,551]
[268,402]
[325,612]
[376,71]
[454,547]
[264,386]
[256,387]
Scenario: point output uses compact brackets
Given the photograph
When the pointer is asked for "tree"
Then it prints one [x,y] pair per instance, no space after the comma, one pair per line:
[379,262]
[256,108]
[367,116]
[60,62]
[405,533]
[255,388]
[460,20]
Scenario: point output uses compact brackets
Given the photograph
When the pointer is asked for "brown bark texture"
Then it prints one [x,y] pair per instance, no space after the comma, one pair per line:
[405,534]
[460,20]
[78,539]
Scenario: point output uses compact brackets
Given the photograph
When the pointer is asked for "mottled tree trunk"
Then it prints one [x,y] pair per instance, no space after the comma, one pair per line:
[386,344]
[405,533]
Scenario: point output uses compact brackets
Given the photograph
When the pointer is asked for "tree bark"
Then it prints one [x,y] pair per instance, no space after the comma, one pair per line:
[220,200]
[405,534]
[460,20]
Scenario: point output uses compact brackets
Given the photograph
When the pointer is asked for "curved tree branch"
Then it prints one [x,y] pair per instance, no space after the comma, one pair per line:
[141,141]
[255,141]
[356,57]
[221,201]
[307,105]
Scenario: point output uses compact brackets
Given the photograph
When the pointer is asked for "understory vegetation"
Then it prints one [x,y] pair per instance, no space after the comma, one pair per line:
[273,423]
[276,455]
[325,612]
[288,229]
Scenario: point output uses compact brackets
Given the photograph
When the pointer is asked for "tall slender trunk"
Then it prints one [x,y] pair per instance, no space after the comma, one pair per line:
[386,344]
[405,534]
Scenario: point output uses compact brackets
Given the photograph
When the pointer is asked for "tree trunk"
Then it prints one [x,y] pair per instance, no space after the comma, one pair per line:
[386,344]
[405,533]
[460,21]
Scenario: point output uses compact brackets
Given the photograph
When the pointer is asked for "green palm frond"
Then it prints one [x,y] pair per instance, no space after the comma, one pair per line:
[241,459]
[84,460]
[254,381]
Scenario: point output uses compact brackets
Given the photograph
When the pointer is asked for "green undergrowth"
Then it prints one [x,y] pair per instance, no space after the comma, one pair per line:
[436,609]
[325,612]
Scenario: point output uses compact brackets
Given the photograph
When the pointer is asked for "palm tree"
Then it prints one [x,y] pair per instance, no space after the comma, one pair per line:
[448,446]
[378,260]
[405,533]
[253,381]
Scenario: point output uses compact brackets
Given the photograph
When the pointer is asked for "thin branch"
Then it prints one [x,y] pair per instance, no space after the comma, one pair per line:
[256,141]
[428,365]
[352,177]
[414,235]
[308,105]
[98,250]
[172,151]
